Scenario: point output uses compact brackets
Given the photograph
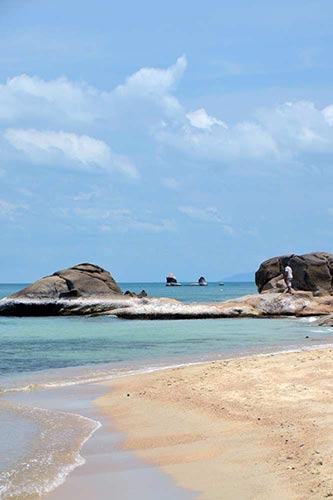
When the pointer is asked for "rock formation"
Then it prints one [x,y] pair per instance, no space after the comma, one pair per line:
[81,289]
[82,280]
[87,289]
[270,305]
[312,272]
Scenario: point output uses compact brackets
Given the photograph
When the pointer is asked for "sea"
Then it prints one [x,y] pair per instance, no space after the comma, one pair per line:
[41,445]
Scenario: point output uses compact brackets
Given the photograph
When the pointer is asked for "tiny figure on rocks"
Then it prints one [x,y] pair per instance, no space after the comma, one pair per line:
[288,277]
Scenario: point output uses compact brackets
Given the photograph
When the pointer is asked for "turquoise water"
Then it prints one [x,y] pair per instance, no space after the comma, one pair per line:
[186,293]
[42,344]
[50,344]
[53,352]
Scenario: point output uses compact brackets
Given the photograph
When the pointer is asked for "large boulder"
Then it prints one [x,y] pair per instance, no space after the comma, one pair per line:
[82,280]
[311,272]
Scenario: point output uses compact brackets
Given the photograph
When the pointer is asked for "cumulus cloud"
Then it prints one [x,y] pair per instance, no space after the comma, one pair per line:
[286,132]
[30,97]
[242,141]
[201,119]
[150,82]
[52,147]
[27,97]
[145,112]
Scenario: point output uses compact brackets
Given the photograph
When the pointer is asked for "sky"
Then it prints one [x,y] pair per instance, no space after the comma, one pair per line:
[150,137]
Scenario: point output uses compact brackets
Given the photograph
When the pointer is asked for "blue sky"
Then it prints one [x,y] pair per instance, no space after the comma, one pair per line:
[152,138]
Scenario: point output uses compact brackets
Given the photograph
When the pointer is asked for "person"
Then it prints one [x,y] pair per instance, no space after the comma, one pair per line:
[288,277]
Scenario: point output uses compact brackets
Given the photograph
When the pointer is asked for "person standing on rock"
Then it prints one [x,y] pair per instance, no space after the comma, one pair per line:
[288,277]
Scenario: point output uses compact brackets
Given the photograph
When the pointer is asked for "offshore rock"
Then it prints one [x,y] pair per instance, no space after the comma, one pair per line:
[312,272]
[82,280]
[69,291]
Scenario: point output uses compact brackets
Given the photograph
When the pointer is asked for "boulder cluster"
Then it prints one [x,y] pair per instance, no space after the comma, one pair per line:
[312,272]
[87,289]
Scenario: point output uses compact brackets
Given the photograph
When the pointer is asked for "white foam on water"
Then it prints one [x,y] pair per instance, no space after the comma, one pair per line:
[47,466]
[53,455]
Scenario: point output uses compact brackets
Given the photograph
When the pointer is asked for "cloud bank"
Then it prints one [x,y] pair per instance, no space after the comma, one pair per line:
[76,123]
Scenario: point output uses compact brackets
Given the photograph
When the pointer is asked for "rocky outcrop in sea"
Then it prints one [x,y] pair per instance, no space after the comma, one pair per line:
[87,289]
[312,272]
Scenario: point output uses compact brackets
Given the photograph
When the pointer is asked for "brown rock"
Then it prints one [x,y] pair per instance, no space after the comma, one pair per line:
[82,280]
[311,272]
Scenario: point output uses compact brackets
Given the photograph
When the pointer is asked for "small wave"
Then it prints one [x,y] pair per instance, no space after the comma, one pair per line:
[84,379]
[54,453]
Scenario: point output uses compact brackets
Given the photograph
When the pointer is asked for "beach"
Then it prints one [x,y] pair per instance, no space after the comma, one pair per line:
[179,409]
[252,428]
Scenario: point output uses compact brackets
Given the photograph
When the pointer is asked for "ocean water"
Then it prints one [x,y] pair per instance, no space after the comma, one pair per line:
[40,447]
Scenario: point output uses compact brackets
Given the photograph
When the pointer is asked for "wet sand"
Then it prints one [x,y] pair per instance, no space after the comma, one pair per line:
[109,470]
[254,428]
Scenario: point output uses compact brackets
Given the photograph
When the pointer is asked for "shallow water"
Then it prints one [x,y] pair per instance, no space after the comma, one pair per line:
[51,352]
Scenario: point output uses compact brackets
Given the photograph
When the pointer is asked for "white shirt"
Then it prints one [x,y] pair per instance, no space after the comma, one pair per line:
[289,272]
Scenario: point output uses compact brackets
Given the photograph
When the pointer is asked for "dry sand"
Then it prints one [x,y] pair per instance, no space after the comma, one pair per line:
[254,428]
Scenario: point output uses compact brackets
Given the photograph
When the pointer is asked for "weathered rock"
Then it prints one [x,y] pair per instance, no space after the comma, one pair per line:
[90,290]
[311,272]
[140,295]
[81,289]
[300,304]
[325,320]
[82,280]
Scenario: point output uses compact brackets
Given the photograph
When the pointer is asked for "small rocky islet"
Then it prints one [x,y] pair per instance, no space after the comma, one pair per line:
[88,289]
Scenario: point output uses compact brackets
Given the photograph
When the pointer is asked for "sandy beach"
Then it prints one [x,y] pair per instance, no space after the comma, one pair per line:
[251,428]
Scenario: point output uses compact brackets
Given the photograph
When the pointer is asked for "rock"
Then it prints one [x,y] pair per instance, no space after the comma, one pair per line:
[90,290]
[81,289]
[140,295]
[82,280]
[311,272]
[300,304]
[325,320]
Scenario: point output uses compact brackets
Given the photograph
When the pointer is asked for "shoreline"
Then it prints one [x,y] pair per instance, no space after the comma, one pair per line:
[254,441]
[155,373]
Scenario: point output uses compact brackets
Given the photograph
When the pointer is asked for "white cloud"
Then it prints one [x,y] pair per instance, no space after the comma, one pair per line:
[52,147]
[171,183]
[123,219]
[298,127]
[83,196]
[201,119]
[241,141]
[31,97]
[145,113]
[205,214]
[208,214]
[150,82]
[286,132]
[328,114]
[8,210]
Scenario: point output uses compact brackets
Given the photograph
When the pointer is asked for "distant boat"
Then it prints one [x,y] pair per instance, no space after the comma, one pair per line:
[171,280]
[221,284]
